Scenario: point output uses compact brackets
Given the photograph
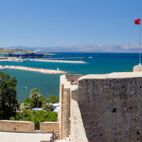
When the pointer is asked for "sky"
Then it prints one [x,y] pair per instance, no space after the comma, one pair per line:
[81,25]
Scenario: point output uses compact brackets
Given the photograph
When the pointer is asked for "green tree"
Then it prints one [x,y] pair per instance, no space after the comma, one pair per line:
[36,98]
[26,104]
[46,106]
[53,99]
[8,101]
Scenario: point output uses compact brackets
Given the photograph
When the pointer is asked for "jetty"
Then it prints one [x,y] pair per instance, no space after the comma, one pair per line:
[46,71]
[18,59]
[58,61]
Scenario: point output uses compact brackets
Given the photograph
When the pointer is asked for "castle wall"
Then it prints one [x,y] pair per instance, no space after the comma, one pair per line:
[64,113]
[111,108]
[70,121]
[77,130]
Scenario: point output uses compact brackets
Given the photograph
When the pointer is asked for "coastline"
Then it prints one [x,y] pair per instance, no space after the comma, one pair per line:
[46,71]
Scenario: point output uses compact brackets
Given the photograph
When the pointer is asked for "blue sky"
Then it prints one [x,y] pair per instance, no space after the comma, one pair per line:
[82,24]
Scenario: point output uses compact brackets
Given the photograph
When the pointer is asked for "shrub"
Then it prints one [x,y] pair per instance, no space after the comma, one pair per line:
[53,99]
[35,116]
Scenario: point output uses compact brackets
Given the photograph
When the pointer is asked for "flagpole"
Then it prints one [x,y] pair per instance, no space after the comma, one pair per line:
[139,44]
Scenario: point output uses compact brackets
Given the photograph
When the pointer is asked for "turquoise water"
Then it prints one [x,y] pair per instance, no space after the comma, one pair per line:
[49,84]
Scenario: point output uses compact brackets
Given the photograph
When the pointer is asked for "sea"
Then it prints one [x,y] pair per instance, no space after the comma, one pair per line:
[48,84]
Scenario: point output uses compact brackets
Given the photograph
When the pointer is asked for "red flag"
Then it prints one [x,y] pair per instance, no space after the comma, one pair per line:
[137,21]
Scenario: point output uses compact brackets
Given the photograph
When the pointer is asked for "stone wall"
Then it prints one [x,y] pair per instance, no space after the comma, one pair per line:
[103,108]
[77,132]
[70,120]
[64,114]
[66,82]
[50,127]
[16,126]
[111,108]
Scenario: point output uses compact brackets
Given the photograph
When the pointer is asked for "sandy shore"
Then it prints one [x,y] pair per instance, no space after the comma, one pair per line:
[58,61]
[46,71]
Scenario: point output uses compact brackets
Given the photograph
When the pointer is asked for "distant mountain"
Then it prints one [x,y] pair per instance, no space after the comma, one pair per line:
[85,48]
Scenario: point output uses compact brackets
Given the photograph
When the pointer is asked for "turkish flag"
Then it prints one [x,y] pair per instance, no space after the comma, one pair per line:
[137,21]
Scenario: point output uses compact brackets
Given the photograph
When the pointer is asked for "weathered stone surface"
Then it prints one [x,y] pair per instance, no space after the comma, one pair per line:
[77,128]
[66,82]
[68,113]
[50,127]
[16,126]
[110,106]
[65,121]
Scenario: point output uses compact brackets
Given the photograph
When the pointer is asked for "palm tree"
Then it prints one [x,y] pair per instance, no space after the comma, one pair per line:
[35,98]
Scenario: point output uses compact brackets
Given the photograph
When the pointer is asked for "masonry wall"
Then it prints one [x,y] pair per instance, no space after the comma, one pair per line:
[66,82]
[16,126]
[64,114]
[50,127]
[111,109]
[77,130]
